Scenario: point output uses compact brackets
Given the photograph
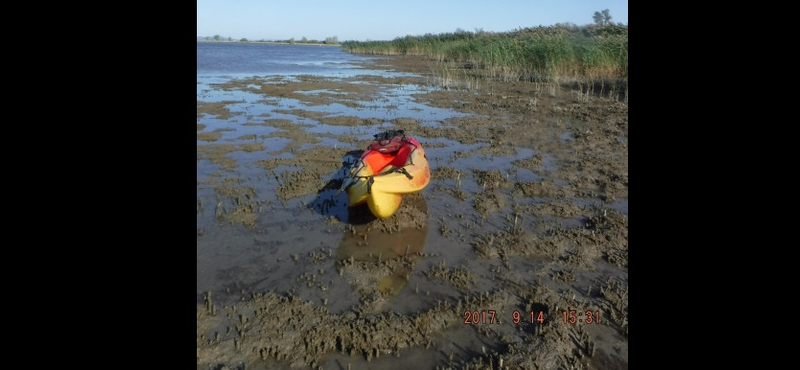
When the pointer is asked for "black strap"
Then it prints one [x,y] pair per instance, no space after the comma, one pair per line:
[404,172]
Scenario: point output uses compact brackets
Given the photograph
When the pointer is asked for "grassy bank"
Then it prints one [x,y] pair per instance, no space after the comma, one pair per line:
[591,58]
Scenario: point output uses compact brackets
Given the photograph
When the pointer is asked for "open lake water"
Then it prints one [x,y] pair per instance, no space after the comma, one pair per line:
[217,61]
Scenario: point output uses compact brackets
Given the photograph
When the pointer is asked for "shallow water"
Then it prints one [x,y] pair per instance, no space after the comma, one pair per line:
[234,257]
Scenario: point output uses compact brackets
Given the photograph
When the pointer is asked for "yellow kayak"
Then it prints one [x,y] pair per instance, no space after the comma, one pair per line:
[381,177]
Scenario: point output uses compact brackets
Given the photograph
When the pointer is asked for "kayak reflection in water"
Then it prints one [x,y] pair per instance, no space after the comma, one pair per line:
[381,254]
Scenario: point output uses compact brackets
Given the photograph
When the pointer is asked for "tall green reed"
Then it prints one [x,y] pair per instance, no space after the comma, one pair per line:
[593,59]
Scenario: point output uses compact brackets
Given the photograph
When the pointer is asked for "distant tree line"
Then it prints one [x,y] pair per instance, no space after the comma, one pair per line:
[600,18]
[333,40]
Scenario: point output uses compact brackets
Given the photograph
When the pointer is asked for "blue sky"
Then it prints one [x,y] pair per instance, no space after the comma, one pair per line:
[364,20]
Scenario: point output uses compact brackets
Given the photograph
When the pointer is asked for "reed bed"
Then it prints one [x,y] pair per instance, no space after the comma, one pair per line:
[592,59]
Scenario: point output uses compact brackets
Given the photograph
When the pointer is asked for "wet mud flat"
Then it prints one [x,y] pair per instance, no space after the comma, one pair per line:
[515,255]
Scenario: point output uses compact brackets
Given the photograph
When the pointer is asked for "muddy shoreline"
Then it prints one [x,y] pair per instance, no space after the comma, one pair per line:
[537,208]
